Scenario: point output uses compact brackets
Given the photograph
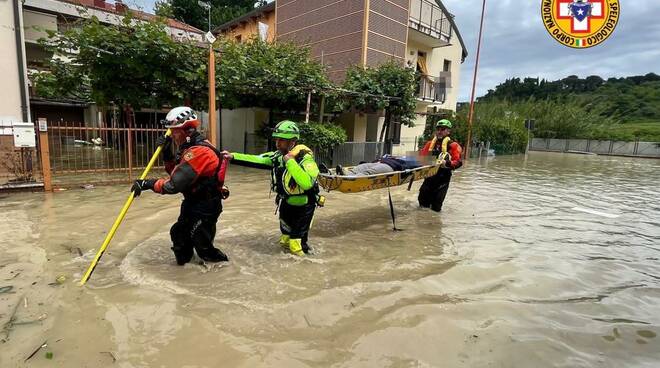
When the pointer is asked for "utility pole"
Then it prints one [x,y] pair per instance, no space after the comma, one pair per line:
[213,135]
[468,144]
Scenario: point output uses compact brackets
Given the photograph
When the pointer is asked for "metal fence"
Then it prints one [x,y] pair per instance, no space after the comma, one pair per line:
[616,148]
[82,154]
[428,18]
[351,153]
[432,88]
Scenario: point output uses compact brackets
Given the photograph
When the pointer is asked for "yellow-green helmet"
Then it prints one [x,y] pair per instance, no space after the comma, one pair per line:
[286,129]
[444,123]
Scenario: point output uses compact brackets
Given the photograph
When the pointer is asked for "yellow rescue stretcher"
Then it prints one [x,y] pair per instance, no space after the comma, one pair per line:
[354,184]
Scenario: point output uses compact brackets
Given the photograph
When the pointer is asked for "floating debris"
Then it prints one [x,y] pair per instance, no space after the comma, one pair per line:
[43,345]
[594,212]
[111,355]
[5,289]
[14,275]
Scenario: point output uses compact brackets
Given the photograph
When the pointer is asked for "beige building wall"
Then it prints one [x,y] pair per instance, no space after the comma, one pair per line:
[409,135]
[237,122]
[435,58]
[10,94]
[358,126]
[435,62]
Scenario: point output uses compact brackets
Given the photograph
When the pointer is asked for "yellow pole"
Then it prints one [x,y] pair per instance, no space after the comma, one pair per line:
[120,218]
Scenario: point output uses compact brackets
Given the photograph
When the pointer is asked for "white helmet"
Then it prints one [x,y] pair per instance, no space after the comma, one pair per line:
[182,117]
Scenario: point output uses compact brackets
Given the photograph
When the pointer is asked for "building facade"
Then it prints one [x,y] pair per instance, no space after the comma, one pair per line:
[24,23]
[420,34]
[259,22]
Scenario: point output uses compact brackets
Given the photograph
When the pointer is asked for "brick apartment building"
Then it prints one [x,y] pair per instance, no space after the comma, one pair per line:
[420,34]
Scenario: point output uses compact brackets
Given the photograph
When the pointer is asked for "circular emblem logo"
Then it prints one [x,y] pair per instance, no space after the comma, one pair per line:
[580,23]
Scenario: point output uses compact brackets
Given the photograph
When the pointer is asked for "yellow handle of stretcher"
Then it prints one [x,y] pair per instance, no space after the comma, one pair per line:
[120,218]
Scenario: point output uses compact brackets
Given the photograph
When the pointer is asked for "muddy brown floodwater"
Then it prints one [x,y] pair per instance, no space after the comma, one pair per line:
[545,261]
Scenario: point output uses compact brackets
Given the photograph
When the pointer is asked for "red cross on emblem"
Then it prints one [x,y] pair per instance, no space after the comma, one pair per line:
[564,12]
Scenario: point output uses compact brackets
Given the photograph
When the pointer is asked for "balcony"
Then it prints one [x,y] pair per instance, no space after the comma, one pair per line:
[433,90]
[429,24]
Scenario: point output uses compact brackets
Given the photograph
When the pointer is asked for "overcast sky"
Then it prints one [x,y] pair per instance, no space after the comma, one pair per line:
[515,43]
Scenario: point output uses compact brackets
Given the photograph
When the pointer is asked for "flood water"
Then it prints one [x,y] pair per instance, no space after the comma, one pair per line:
[547,261]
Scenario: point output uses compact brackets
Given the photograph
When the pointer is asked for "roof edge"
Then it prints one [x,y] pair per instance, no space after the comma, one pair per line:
[453,24]
[264,8]
[139,14]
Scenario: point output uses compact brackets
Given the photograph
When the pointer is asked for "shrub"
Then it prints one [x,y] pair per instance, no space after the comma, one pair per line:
[321,136]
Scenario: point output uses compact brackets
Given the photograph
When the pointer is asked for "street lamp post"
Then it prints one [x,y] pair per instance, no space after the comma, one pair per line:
[206,6]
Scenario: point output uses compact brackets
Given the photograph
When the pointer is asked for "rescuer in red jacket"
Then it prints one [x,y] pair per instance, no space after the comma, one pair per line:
[434,189]
[197,171]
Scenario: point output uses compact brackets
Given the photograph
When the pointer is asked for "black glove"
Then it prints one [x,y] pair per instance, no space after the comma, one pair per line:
[164,141]
[141,185]
[224,192]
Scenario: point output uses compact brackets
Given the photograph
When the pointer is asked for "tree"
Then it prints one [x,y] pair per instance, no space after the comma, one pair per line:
[272,75]
[133,64]
[388,86]
[191,12]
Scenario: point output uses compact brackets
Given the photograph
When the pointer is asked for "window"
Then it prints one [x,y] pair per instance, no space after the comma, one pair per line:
[238,38]
[421,63]
[447,66]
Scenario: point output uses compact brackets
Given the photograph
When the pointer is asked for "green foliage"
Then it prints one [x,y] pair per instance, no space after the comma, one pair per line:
[262,74]
[502,123]
[321,136]
[164,9]
[648,131]
[62,81]
[388,79]
[626,99]
[498,123]
[134,63]
[139,64]
[429,127]
[190,12]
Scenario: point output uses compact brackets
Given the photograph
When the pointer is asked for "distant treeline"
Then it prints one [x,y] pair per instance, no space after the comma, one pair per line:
[630,99]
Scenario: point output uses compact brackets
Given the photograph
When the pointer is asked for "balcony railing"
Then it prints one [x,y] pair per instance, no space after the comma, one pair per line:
[429,19]
[434,89]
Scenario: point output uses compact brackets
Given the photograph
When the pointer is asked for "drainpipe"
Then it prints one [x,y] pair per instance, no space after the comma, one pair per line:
[22,65]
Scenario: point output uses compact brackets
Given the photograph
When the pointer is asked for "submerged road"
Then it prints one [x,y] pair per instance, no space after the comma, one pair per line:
[547,261]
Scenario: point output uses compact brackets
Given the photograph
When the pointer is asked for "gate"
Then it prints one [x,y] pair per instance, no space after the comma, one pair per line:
[81,155]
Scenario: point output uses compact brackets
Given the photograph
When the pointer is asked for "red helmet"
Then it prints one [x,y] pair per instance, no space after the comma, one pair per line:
[182,117]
